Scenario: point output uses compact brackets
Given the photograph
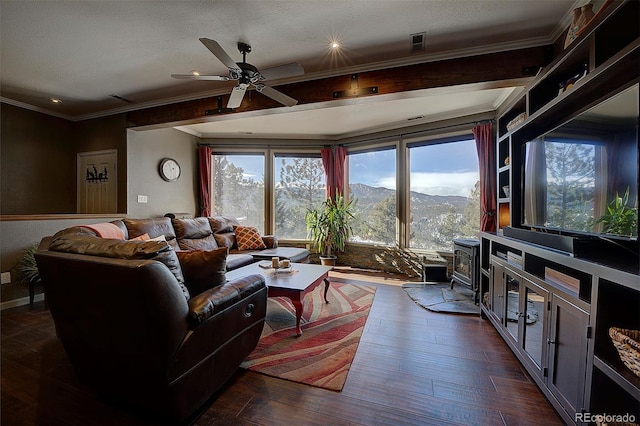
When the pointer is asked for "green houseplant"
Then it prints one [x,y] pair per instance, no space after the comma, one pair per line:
[329,228]
[619,218]
[26,268]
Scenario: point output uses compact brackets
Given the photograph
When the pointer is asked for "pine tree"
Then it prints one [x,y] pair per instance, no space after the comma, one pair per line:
[382,221]
[301,187]
[570,191]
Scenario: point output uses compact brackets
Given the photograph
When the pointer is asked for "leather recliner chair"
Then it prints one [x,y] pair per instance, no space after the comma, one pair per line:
[133,331]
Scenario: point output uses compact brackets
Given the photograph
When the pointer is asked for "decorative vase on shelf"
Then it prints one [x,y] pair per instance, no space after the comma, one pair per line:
[506,189]
[581,17]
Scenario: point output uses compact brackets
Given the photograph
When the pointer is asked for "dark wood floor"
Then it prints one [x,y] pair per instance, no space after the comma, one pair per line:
[412,367]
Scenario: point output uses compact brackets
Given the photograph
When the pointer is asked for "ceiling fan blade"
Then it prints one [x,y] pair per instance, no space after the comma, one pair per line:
[276,95]
[282,71]
[219,53]
[235,99]
[200,77]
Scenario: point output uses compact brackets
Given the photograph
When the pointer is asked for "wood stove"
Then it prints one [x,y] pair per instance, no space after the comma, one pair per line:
[466,264]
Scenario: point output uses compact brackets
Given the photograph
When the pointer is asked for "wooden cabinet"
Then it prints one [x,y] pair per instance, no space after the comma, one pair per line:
[560,330]
[568,351]
[575,301]
[546,331]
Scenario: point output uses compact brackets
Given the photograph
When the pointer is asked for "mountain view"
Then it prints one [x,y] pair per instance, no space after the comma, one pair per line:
[435,220]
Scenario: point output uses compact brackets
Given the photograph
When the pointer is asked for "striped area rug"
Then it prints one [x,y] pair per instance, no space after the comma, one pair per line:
[331,332]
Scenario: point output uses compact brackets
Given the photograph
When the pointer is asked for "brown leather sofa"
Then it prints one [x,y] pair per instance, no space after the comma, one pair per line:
[136,329]
[208,233]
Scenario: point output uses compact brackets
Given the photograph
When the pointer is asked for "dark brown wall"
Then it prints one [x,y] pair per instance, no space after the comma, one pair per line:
[38,159]
[106,133]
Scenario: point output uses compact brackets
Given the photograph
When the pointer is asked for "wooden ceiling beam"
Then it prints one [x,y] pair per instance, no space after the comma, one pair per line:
[494,67]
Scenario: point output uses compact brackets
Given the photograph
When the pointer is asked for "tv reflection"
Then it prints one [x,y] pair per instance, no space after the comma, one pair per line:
[583,176]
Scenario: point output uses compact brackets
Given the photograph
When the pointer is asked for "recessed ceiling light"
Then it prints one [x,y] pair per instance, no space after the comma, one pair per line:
[55,100]
[194,72]
[334,44]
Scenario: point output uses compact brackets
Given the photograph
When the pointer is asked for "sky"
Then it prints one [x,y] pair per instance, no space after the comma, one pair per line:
[442,169]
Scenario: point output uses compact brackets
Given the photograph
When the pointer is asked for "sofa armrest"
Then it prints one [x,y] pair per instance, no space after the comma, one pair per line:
[210,302]
[271,241]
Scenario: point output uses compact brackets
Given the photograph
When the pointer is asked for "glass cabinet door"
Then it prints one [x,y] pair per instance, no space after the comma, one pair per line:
[497,292]
[513,312]
[533,339]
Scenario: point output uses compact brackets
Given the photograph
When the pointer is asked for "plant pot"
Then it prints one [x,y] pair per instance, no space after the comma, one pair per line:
[328,260]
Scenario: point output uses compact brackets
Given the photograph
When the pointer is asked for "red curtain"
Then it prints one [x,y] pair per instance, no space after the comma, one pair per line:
[487,165]
[333,162]
[339,156]
[204,179]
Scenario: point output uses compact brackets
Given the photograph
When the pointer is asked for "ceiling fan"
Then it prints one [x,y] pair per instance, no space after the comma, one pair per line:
[247,75]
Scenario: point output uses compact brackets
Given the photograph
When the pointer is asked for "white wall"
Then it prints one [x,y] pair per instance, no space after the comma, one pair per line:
[145,150]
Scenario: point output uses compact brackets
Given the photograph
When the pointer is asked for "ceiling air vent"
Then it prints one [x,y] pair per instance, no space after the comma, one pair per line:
[417,42]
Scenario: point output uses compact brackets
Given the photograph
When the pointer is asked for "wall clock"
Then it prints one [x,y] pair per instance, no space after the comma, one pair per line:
[169,169]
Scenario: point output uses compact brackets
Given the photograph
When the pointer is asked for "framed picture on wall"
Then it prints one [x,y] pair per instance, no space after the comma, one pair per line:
[97,180]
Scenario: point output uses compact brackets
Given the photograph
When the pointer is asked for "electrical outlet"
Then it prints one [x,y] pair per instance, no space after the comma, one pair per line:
[6,277]
[142,198]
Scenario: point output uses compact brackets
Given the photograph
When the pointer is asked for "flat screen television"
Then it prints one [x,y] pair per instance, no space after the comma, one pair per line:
[581,178]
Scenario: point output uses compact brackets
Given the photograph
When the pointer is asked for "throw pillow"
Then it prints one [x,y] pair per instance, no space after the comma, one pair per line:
[203,269]
[228,239]
[249,238]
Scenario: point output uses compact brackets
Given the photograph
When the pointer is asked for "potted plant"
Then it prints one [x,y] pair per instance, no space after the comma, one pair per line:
[27,270]
[620,219]
[328,227]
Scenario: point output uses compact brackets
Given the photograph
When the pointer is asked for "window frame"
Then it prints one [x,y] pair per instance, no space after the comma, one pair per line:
[266,190]
[274,155]
[377,147]
[439,132]
[416,142]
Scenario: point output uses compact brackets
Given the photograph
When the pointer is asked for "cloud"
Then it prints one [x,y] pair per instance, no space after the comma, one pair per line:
[452,183]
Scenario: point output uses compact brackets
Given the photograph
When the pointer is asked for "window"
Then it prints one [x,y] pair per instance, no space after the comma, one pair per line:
[444,197]
[299,185]
[372,184]
[238,188]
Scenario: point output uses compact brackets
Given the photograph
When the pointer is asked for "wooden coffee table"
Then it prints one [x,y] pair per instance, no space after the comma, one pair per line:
[303,279]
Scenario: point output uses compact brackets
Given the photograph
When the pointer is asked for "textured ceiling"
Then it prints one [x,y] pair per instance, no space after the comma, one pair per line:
[82,52]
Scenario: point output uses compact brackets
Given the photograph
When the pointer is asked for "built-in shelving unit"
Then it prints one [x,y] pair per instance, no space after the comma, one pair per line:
[552,308]
[571,356]
[609,49]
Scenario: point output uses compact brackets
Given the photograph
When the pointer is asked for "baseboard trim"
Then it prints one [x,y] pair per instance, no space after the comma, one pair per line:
[20,302]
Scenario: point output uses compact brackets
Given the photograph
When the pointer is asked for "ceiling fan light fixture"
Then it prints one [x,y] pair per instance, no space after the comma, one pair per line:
[246,75]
